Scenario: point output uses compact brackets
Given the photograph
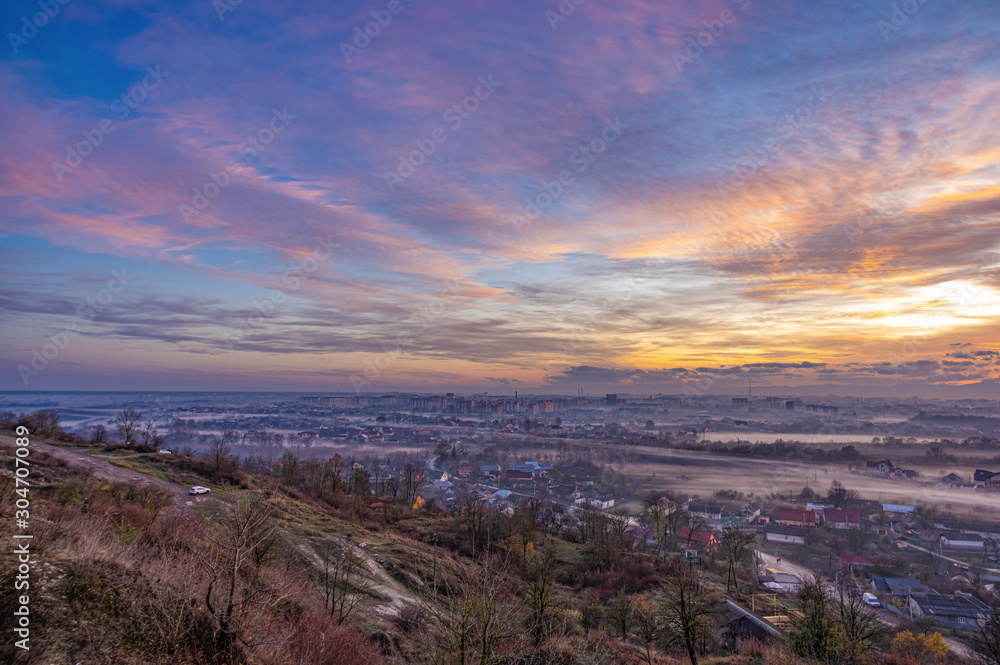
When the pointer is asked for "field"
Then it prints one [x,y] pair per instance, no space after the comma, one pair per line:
[701,474]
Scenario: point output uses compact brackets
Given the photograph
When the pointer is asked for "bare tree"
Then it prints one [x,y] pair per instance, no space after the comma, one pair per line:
[673,522]
[688,607]
[234,594]
[411,483]
[735,545]
[99,435]
[218,454]
[127,424]
[858,623]
[648,627]
[341,580]
[480,623]
[986,641]
[620,613]
[149,433]
[540,580]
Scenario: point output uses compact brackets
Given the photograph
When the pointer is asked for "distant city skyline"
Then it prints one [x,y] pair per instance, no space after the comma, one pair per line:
[635,197]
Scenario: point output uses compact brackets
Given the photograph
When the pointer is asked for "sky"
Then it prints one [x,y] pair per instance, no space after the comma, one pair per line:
[633,196]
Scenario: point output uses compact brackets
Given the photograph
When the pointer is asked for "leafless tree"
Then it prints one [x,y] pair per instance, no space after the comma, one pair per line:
[986,641]
[127,424]
[411,483]
[620,613]
[218,453]
[236,590]
[99,435]
[480,623]
[673,522]
[857,620]
[649,626]
[342,582]
[539,578]
[735,545]
[688,607]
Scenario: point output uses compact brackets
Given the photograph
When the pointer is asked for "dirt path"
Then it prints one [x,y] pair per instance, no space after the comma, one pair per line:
[101,466]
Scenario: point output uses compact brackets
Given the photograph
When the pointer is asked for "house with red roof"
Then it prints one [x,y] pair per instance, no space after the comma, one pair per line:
[835,518]
[796,517]
[702,538]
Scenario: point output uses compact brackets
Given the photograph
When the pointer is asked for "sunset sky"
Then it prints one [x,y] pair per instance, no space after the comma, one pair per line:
[498,196]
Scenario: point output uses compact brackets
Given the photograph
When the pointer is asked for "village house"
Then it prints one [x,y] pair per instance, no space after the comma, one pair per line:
[796,517]
[779,533]
[750,513]
[842,519]
[881,467]
[703,539]
[783,582]
[955,540]
[898,586]
[886,469]
[951,611]
[738,624]
[705,510]
[603,502]
[897,510]
[986,479]
[953,480]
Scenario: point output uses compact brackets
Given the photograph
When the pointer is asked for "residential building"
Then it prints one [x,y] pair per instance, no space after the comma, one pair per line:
[780,533]
[705,510]
[836,518]
[953,480]
[955,540]
[898,586]
[951,611]
[737,624]
[704,539]
[796,517]
[987,479]
[783,582]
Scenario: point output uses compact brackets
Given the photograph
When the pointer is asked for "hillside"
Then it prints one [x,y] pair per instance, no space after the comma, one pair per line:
[304,562]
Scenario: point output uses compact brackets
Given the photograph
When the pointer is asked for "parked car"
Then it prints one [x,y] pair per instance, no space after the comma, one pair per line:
[164,451]
[871,600]
[198,489]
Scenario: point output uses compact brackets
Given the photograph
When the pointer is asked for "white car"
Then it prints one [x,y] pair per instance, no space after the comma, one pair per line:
[198,489]
[164,451]
[871,600]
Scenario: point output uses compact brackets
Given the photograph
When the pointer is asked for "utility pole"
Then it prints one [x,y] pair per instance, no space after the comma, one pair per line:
[435,539]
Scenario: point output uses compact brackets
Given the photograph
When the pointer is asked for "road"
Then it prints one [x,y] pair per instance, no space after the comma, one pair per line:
[101,466]
[964,564]
[884,615]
